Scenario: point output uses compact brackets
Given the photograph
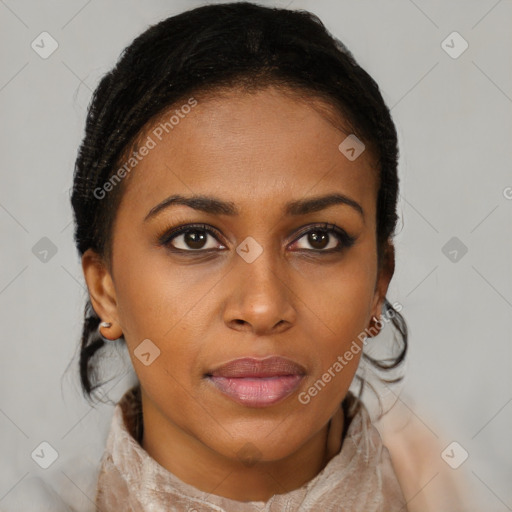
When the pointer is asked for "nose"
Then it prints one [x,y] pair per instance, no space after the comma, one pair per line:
[261,299]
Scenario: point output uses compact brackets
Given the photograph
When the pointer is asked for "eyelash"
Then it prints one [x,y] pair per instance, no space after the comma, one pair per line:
[344,238]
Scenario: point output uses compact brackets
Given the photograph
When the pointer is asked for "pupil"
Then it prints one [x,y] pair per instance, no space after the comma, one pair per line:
[318,241]
[195,239]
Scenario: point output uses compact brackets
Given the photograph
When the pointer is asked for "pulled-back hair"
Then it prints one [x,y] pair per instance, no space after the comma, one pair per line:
[200,52]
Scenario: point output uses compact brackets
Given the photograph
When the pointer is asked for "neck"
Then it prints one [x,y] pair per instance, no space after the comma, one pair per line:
[196,464]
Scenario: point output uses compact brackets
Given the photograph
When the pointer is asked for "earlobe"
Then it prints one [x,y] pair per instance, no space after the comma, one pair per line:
[100,285]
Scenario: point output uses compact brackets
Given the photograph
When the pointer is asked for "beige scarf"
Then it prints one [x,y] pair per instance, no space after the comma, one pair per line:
[359,478]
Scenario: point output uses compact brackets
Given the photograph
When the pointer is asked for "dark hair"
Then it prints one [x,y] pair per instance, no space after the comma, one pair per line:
[202,51]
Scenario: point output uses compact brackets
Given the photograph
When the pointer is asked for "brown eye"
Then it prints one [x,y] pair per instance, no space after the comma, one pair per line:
[326,238]
[318,240]
[192,239]
[195,239]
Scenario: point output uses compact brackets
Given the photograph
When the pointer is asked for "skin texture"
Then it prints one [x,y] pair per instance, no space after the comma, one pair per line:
[259,151]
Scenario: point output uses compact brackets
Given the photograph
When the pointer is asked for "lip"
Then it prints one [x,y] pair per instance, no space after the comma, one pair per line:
[257,382]
[245,367]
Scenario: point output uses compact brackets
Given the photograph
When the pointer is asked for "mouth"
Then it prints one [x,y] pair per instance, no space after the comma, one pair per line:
[257,382]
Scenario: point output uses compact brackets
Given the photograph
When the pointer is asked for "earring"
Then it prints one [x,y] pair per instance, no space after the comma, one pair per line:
[375,327]
[104,324]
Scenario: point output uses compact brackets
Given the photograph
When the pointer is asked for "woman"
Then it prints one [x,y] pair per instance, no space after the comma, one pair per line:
[235,203]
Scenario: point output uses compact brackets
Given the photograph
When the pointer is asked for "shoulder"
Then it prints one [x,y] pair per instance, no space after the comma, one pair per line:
[429,484]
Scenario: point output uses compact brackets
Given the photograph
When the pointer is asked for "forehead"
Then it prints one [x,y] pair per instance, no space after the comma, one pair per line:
[253,149]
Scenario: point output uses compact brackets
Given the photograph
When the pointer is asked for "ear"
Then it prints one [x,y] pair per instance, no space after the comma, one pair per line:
[101,290]
[385,273]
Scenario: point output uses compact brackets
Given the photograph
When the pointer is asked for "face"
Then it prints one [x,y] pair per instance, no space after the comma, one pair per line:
[261,270]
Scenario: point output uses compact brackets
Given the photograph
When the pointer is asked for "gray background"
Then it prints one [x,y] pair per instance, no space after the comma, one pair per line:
[455,125]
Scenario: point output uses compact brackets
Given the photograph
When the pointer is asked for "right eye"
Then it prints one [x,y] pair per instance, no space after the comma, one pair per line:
[191,238]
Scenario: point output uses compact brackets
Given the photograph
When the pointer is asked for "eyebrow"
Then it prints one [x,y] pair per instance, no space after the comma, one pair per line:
[216,206]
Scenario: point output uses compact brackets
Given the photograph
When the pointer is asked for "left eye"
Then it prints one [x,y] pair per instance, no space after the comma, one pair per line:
[326,239]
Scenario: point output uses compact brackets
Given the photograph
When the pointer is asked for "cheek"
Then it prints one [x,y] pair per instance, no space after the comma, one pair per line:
[152,296]
[338,309]
[158,300]
[155,303]
[339,299]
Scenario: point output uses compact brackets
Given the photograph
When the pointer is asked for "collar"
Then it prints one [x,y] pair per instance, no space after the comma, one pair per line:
[359,477]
